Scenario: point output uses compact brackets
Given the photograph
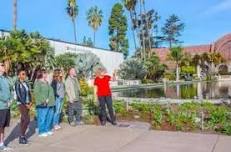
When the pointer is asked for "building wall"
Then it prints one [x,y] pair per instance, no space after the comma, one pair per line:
[110,59]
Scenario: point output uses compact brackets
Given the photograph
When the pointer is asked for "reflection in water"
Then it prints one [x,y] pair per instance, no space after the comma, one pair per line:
[199,90]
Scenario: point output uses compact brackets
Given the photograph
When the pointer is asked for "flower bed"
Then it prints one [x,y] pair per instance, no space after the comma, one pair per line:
[190,117]
[193,117]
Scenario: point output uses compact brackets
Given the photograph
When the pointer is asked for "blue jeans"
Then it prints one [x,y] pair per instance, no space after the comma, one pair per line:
[58,110]
[44,119]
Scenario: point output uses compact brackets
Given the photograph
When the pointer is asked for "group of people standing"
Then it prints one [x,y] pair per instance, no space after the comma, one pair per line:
[49,98]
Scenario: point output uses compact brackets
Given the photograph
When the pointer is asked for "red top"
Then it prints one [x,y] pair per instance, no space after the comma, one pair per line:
[103,86]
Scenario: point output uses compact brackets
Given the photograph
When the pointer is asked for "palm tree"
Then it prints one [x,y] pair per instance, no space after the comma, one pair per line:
[94,17]
[72,11]
[215,59]
[196,60]
[148,37]
[14,14]
[176,54]
[130,6]
[209,61]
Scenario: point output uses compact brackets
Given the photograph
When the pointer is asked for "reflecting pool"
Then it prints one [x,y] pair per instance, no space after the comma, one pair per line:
[195,90]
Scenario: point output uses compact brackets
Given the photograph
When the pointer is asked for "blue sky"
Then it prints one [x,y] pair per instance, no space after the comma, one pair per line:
[206,20]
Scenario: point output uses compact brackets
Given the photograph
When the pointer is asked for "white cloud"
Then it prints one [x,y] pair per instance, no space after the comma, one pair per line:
[224,5]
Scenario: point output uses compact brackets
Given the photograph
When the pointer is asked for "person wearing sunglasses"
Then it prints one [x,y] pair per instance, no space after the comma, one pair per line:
[59,91]
[23,93]
[5,100]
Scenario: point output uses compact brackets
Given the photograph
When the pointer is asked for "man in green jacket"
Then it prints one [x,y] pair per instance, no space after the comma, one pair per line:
[72,87]
[5,99]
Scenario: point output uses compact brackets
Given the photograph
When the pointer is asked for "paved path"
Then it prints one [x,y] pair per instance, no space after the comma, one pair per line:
[136,138]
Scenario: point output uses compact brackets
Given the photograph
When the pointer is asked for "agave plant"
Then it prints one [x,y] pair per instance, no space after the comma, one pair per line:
[86,63]
[132,69]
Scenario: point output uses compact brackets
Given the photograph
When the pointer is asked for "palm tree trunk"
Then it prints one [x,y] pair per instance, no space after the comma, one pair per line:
[213,68]
[170,44]
[177,72]
[94,37]
[14,14]
[198,71]
[74,27]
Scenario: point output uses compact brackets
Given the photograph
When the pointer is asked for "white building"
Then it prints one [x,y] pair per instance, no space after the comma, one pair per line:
[110,59]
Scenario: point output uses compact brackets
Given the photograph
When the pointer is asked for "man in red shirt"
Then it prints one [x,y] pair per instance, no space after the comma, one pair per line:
[103,92]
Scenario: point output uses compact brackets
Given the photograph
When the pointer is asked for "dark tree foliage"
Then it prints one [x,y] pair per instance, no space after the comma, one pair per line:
[172,30]
[118,30]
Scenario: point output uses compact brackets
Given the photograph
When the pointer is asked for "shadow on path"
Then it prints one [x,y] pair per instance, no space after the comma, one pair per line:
[15,133]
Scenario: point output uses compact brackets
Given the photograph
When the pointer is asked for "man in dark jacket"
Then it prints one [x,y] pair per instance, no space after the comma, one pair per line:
[24,103]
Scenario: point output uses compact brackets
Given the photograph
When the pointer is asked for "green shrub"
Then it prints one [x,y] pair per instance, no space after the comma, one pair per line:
[170,76]
[183,117]
[157,116]
[147,81]
[14,110]
[227,128]
[219,117]
[85,88]
[188,70]
[142,107]
[120,108]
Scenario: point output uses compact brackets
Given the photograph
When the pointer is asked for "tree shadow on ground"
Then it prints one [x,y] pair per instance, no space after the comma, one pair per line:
[15,133]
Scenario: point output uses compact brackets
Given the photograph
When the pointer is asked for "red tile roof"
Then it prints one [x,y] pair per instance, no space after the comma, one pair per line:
[222,45]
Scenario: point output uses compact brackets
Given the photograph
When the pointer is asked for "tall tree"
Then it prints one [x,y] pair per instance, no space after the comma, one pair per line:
[72,11]
[130,5]
[147,23]
[94,17]
[15,14]
[29,51]
[157,38]
[118,30]
[172,30]
[176,54]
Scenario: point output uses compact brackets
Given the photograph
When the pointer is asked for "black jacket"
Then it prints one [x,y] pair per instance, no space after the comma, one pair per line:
[21,92]
[54,86]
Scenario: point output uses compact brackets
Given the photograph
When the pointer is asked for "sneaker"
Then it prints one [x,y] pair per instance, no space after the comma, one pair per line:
[78,123]
[50,133]
[5,148]
[43,135]
[23,140]
[73,124]
[103,123]
[114,123]
[57,127]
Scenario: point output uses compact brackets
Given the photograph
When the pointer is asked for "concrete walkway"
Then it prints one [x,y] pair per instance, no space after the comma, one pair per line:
[135,138]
